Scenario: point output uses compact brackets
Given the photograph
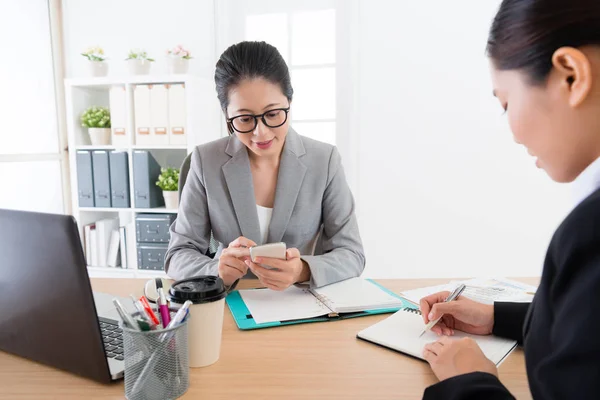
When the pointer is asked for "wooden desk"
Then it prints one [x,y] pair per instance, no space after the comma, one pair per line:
[309,361]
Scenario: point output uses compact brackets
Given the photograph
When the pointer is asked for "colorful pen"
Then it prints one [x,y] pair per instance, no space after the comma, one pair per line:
[127,319]
[149,311]
[163,308]
[181,314]
[164,340]
[142,313]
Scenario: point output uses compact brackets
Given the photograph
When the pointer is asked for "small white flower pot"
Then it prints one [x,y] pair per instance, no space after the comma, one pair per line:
[99,136]
[171,199]
[139,67]
[177,65]
[98,68]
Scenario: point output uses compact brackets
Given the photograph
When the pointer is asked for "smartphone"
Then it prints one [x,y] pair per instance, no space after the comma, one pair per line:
[271,250]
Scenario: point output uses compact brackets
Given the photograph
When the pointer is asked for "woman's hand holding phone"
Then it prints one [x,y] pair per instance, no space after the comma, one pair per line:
[232,264]
[283,273]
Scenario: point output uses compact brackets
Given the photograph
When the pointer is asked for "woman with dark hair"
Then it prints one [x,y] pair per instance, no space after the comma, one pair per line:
[264,184]
[545,62]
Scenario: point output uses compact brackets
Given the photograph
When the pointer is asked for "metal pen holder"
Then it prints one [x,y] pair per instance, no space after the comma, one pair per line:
[156,363]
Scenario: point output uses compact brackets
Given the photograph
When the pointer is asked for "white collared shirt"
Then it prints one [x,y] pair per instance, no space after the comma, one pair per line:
[587,182]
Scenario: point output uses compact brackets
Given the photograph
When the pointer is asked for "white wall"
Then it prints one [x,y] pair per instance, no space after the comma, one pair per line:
[443,189]
[154,25]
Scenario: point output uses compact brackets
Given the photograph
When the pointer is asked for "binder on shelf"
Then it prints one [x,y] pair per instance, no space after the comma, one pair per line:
[177,114]
[87,239]
[159,114]
[145,174]
[95,256]
[85,179]
[119,179]
[130,245]
[123,247]
[101,172]
[141,107]
[118,116]
[112,257]
[104,229]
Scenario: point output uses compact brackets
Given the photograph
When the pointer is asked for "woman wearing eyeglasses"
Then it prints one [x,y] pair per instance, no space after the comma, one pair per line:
[545,61]
[264,184]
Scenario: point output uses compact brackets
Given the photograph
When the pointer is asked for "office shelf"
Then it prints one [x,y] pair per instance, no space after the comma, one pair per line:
[159,147]
[158,210]
[203,124]
[91,147]
[110,272]
[103,209]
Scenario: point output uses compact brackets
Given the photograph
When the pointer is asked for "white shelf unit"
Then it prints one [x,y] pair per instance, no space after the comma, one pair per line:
[203,124]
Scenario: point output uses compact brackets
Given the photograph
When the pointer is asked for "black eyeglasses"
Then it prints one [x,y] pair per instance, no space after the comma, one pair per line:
[246,123]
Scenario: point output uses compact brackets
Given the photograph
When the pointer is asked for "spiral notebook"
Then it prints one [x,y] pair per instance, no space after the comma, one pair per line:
[400,332]
[262,308]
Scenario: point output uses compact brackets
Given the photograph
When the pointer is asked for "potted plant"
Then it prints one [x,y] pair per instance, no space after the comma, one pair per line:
[168,181]
[178,60]
[139,62]
[97,61]
[97,120]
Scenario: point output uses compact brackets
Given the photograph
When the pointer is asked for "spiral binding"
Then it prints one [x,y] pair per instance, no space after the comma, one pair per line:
[412,310]
[322,301]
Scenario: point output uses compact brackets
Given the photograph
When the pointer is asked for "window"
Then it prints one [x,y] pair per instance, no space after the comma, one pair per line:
[31,163]
[305,35]
[306,40]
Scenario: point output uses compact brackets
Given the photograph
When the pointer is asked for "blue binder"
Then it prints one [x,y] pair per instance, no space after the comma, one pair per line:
[85,179]
[244,320]
[101,172]
[145,174]
[119,178]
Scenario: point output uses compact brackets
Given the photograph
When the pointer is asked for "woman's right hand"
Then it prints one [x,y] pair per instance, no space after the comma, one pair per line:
[462,314]
[232,264]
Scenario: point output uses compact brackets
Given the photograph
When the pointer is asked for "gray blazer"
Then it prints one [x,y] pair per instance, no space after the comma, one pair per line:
[312,198]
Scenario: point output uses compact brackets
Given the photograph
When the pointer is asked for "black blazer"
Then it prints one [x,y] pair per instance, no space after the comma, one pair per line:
[560,330]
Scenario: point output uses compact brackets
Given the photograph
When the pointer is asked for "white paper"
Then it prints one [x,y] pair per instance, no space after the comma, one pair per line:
[401,332]
[267,305]
[483,290]
[489,290]
[356,294]
[415,295]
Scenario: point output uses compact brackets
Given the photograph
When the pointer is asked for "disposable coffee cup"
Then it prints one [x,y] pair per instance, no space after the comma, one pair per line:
[205,322]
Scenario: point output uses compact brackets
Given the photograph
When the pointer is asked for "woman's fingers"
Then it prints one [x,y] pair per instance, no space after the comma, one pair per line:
[273,285]
[242,242]
[238,252]
[435,347]
[440,328]
[426,303]
[234,263]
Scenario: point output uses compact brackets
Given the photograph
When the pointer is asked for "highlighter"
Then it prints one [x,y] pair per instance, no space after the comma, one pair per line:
[163,308]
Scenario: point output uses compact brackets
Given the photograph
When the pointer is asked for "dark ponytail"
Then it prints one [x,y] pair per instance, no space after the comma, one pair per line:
[526,33]
[249,60]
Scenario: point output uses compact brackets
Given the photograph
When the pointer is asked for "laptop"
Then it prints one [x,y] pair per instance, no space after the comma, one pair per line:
[49,313]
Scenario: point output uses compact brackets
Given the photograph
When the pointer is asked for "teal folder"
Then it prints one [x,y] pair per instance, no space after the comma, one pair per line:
[244,320]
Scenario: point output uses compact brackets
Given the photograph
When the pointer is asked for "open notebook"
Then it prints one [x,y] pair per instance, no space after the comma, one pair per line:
[401,332]
[352,297]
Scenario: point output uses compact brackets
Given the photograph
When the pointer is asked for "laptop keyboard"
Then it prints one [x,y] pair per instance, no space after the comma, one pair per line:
[112,336]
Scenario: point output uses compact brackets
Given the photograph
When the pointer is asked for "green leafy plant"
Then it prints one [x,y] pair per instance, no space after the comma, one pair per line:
[168,180]
[96,117]
[94,54]
[136,54]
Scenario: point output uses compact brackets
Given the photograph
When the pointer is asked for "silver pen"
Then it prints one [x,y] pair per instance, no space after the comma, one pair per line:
[128,321]
[452,296]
